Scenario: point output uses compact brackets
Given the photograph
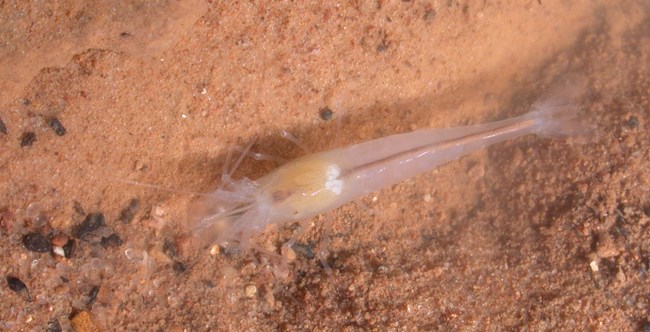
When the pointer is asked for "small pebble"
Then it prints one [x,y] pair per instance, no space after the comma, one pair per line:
[91,223]
[251,291]
[429,15]
[53,326]
[82,322]
[169,248]
[215,250]
[78,208]
[158,211]
[606,248]
[3,128]
[179,267]
[113,240]
[134,255]
[127,214]
[183,243]
[68,249]
[58,251]
[138,166]
[36,242]
[55,124]
[16,284]
[105,295]
[303,250]
[382,47]
[34,213]
[326,113]
[92,295]
[633,122]
[27,139]
[59,240]
[288,253]
[19,287]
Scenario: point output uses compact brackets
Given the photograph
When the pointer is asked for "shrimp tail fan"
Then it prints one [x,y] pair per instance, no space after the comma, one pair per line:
[558,112]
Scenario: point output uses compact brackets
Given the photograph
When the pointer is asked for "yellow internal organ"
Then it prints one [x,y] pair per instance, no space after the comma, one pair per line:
[305,187]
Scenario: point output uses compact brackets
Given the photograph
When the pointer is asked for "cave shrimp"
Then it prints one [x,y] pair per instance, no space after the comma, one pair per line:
[320,182]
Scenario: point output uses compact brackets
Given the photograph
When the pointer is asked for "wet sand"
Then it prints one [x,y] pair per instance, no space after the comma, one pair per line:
[531,234]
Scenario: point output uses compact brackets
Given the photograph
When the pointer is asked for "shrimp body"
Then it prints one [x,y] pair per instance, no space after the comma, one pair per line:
[319,182]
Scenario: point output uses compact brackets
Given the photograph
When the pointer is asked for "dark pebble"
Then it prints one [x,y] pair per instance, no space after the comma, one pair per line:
[59,129]
[113,240]
[179,267]
[326,113]
[92,296]
[78,208]
[93,222]
[53,326]
[127,214]
[169,248]
[16,284]
[3,128]
[303,250]
[27,139]
[68,248]
[382,47]
[633,122]
[37,242]
[429,15]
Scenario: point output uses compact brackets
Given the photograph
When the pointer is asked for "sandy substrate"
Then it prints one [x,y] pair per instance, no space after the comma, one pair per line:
[531,234]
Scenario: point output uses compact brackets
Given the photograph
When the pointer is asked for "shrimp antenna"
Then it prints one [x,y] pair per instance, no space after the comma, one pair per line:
[243,155]
[157,187]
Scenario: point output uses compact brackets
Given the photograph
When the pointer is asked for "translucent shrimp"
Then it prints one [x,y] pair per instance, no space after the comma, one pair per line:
[320,182]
